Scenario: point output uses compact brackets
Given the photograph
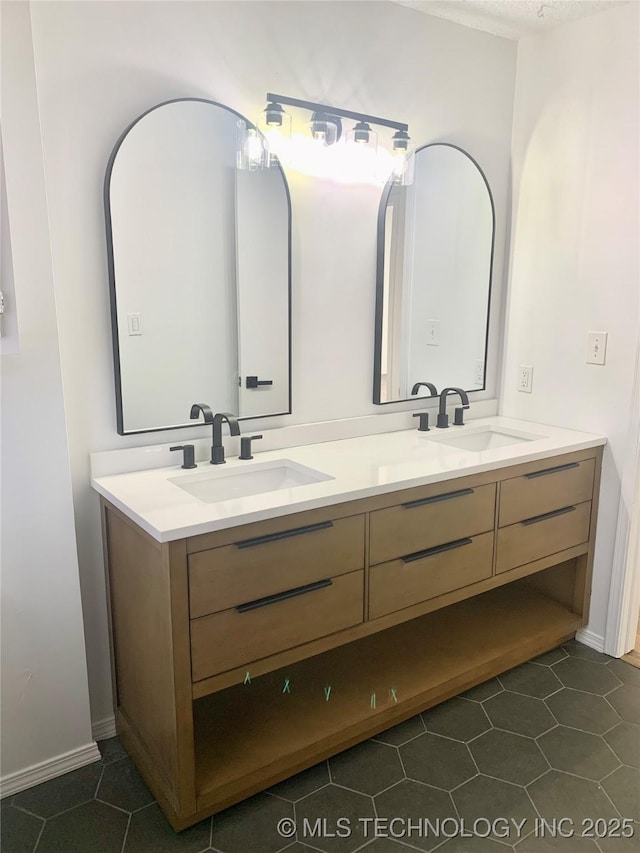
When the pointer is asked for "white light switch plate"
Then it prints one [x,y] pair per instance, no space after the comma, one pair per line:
[134,324]
[596,347]
[433,333]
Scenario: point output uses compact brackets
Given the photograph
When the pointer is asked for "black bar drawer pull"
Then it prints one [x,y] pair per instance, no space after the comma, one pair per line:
[448,546]
[437,498]
[546,471]
[285,534]
[283,596]
[547,515]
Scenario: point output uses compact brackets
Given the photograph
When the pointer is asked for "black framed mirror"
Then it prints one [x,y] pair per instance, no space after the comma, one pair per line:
[199,254]
[435,245]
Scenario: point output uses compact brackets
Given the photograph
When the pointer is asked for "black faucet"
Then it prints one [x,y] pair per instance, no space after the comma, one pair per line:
[429,385]
[217,448]
[443,418]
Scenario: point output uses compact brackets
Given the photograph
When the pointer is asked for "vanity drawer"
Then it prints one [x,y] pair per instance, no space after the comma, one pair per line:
[419,577]
[257,567]
[263,627]
[554,485]
[542,535]
[443,517]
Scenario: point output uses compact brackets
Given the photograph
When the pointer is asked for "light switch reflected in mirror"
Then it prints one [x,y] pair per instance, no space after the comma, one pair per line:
[199,254]
[435,253]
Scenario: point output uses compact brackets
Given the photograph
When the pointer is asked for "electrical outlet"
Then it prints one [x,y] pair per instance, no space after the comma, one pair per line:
[478,376]
[596,347]
[525,378]
[433,333]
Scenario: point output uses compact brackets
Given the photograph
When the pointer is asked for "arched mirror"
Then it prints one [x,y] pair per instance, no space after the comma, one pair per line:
[199,269]
[435,253]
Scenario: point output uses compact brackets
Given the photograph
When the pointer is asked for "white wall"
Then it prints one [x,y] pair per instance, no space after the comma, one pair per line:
[98,65]
[45,712]
[575,242]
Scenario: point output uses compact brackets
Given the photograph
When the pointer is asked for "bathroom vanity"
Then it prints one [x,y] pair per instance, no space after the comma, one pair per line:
[255,636]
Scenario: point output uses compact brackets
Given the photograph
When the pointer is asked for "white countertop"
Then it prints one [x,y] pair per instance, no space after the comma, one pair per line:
[358,468]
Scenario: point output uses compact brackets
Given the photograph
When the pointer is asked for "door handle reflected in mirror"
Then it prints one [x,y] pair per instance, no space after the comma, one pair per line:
[254,382]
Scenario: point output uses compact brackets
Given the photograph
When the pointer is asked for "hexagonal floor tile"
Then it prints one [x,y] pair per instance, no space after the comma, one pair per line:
[531,680]
[624,740]
[383,845]
[611,844]
[18,831]
[627,673]
[549,658]
[581,753]
[368,768]
[150,832]
[317,817]
[252,825]
[458,718]
[560,795]
[483,691]
[582,711]
[412,802]
[303,784]
[484,799]
[522,715]
[509,757]
[65,792]
[626,701]
[111,750]
[397,735]
[90,828]
[586,675]
[623,787]
[437,761]
[472,845]
[579,650]
[122,786]
[549,843]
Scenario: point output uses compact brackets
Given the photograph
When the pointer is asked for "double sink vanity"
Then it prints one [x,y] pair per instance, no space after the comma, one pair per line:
[269,613]
[272,611]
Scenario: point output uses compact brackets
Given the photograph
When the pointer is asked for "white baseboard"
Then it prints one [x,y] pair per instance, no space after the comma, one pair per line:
[13,783]
[103,729]
[588,638]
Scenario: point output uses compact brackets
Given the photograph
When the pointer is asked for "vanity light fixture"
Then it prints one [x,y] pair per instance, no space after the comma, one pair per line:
[325,126]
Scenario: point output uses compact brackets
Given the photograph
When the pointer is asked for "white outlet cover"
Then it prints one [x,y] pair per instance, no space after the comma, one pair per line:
[596,347]
[525,378]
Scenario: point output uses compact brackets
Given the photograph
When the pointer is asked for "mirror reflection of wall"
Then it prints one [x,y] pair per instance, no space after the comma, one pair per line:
[435,251]
[200,271]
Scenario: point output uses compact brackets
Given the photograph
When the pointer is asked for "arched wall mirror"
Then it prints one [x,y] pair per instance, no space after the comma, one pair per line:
[434,261]
[199,269]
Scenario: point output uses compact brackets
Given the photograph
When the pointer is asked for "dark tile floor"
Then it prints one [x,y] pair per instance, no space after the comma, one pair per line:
[556,739]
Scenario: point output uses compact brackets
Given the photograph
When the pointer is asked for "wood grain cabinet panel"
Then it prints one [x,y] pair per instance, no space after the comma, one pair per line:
[401,583]
[442,517]
[265,627]
[221,578]
[541,535]
[554,485]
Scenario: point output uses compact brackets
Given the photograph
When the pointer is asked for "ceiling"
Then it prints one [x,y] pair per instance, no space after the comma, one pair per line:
[511,18]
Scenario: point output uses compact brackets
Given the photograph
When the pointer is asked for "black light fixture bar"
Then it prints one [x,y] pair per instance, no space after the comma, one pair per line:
[335,111]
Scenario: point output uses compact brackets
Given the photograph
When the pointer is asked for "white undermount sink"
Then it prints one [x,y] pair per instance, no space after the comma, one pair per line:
[488,438]
[213,486]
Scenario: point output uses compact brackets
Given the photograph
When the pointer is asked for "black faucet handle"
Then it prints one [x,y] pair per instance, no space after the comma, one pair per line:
[188,455]
[423,425]
[458,414]
[245,446]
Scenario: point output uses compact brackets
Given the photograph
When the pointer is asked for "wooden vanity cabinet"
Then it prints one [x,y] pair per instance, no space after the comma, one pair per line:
[225,644]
